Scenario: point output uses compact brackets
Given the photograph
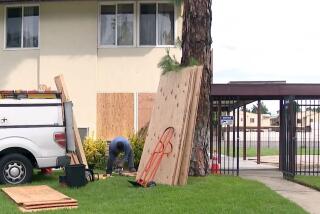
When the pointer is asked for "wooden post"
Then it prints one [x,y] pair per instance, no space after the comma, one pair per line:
[238,138]
[219,132]
[245,132]
[259,134]
[211,130]
[61,87]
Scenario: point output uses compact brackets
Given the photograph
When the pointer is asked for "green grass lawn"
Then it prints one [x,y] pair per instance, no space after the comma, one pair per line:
[306,151]
[313,181]
[252,152]
[213,194]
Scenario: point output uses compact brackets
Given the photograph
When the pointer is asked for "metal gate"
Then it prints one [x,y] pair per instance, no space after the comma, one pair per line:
[288,138]
[300,147]
[299,135]
[226,128]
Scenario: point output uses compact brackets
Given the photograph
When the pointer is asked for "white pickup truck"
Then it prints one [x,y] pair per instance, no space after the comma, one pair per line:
[32,135]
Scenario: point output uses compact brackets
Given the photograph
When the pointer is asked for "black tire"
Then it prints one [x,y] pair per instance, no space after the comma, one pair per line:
[151,184]
[15,169]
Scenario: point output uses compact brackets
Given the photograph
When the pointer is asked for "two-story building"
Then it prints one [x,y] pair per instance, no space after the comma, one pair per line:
[108,52]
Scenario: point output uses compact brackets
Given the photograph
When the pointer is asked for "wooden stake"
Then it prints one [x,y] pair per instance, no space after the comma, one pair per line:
[59,80]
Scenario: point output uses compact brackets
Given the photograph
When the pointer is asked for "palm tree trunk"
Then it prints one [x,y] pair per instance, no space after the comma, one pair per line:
[196,44]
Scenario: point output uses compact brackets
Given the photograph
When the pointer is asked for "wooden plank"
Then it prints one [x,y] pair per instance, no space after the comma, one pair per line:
[185,126]
[36,203]
[145,105]
[74,158]
[185,163]
[115,116]
[169,111]
[51,205]
[28,194]
[61,87]
[79,147]
[46,209]
[128,174]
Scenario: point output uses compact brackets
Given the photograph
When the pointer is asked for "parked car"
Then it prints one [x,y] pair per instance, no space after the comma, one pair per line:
[32,135]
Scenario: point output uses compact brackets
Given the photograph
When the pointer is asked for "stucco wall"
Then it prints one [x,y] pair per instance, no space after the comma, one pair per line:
[130,69]
[18,68]
[68,46]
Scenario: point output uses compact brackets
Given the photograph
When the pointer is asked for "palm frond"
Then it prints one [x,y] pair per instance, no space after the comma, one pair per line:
[169,63]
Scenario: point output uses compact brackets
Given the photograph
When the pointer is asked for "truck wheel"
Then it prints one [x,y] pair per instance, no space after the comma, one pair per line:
[15,169]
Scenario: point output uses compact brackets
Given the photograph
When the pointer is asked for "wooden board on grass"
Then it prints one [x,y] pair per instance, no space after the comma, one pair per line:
[170,110]
[40,203]
[186,154]
[46,209]
[51,205]
[29,194]
[128,174]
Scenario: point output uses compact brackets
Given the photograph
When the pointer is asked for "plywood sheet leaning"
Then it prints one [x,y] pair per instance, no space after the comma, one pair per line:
[170,109]
[38,198]
[61,87]
[145,105]
[185,126]
[186,153]
[115,115]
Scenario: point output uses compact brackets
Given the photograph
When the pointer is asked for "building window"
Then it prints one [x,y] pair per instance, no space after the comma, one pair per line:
[251,120]
[298,120]
[156,24]
[22,27]
[117,24]
[84,133]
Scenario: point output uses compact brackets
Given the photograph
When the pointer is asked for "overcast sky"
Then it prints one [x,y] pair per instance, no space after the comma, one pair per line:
[266,40]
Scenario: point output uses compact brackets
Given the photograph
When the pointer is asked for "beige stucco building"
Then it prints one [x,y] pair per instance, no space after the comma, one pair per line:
[99,47]
[252,119]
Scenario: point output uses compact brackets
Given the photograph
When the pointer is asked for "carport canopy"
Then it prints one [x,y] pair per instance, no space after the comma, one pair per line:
[245,92]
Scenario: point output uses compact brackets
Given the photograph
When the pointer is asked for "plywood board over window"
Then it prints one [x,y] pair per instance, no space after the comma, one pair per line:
[145,105]
[115,115]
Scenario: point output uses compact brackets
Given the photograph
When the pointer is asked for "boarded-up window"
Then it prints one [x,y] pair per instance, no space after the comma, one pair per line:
[146,101]
[115,115]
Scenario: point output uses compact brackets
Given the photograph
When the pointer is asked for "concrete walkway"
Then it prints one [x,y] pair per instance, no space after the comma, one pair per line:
[305,197]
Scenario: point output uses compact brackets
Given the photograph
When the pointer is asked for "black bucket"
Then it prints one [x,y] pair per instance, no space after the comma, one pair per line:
[75,175]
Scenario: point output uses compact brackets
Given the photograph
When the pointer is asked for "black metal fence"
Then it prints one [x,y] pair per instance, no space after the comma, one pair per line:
[307,138]
[225,138]
[297,138]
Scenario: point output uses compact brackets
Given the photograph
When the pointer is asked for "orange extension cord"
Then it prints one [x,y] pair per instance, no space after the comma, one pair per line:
[163,147]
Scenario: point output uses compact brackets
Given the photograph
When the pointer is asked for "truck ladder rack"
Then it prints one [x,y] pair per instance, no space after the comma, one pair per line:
[29,94]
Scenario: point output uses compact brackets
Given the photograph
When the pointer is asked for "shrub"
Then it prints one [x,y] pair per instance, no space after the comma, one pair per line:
[95,151]
[137,143]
